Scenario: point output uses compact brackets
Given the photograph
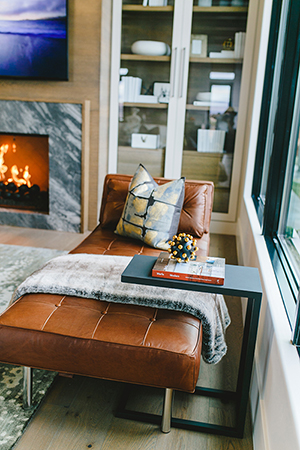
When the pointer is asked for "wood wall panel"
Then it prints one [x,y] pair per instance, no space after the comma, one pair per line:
[83,84]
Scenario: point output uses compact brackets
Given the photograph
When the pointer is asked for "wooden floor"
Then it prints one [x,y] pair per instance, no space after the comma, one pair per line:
[59,240]
[78,413]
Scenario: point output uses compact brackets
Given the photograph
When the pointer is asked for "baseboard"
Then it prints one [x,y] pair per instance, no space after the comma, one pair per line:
[218,227]
[259,436]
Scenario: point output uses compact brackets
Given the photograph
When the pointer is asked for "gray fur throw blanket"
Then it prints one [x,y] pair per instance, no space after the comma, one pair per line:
[99,277]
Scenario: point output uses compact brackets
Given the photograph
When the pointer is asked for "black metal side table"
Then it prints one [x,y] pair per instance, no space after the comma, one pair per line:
[240,281]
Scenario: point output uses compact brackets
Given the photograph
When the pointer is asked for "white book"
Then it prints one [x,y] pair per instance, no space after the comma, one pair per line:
[121,91]
[237,45]
[134,89]
[125,88]
[228,53]
[138,88]
[131,89]
[243,45]
[218,55]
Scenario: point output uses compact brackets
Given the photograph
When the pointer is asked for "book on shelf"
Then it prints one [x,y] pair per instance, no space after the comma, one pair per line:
[239,44]
[203,269]
[131,88]
[223,54]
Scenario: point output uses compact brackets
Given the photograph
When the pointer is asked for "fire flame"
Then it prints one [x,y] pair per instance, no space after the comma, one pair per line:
[15,171]
[3,167]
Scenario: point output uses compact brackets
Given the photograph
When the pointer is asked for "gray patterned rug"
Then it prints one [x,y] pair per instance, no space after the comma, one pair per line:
[16,263]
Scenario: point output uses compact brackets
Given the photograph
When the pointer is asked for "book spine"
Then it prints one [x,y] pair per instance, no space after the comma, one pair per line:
[187,277]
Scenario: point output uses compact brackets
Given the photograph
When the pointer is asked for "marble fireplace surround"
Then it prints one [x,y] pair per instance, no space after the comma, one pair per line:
[62,122]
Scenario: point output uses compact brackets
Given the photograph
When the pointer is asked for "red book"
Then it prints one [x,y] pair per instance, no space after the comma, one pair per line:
[203,269]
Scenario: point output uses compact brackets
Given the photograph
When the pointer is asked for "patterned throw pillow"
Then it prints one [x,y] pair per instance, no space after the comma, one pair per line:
[151,212]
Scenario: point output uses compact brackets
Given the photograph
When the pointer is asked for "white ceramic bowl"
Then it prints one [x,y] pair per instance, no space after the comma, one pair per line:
[203,96]
[150,48]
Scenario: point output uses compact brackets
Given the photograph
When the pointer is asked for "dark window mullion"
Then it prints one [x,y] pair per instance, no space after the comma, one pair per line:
[282,126]
[266,101]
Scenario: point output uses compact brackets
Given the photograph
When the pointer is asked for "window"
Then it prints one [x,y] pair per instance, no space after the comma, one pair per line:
[276,185]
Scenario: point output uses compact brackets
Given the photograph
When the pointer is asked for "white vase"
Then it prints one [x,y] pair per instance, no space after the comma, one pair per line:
[150,48]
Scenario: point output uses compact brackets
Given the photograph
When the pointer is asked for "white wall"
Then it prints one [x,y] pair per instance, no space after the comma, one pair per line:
[275,391]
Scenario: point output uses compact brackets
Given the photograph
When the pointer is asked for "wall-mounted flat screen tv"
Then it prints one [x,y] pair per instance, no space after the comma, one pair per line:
[34,39]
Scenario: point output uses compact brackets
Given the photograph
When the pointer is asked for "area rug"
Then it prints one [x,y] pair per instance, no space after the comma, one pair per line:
[16,263]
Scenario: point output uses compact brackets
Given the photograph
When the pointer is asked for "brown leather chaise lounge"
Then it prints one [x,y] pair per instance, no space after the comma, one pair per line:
[106,340]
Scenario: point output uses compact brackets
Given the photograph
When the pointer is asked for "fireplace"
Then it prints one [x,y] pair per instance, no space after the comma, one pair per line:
[47,140]
[24,172]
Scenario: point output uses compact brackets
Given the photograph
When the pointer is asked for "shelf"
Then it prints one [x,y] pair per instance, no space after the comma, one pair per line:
[147,105]
[129,56]
[127,148]
[195,108]
[206,9]
[198,155]
[140,8]
[221,9]
[195,59]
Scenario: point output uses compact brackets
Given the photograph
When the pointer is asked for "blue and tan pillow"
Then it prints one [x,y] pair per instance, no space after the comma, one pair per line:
[151,212]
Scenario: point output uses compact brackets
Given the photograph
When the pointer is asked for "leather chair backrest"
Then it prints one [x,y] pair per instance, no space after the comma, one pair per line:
[195,215]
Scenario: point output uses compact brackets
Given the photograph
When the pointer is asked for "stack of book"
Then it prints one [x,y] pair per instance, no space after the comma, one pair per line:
[130,89]
[155,2]
[223,54]
[203,270]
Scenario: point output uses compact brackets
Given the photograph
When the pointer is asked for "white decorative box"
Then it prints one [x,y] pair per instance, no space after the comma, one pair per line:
[158,2]
[139,140]
[211,141]
[146,99]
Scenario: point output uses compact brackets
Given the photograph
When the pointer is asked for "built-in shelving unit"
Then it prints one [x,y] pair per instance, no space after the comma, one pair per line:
[184,76]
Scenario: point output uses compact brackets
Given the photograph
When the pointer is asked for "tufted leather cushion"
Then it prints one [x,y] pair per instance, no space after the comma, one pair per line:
[196,211]
[106,242]
[95,338]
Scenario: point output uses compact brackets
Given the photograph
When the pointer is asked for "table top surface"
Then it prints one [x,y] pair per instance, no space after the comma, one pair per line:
[240,281]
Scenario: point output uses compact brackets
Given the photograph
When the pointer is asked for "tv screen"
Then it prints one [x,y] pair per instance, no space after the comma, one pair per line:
[33,39]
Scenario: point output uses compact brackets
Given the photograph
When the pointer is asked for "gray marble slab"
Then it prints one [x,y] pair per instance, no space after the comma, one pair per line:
[62,122]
